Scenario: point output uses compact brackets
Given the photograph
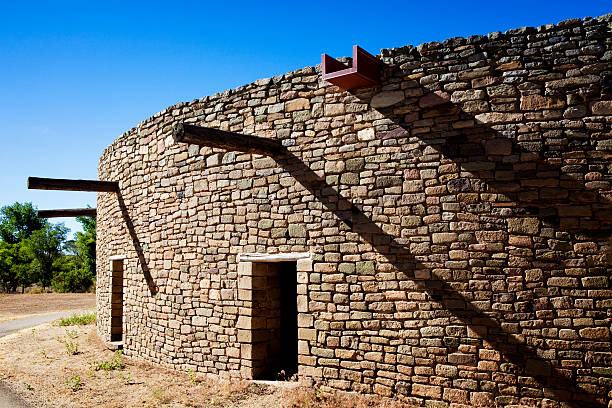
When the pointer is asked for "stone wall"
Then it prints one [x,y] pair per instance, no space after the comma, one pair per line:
[457,219]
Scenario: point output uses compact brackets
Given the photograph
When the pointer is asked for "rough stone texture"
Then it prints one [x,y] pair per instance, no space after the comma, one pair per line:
[457,218]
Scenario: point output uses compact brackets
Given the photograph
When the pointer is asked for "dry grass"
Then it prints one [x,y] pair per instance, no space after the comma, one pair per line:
[40,366]
[39,362]
[13,306]
[308,397]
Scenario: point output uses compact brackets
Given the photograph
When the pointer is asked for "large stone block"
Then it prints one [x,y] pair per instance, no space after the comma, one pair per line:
[526,226]
[386,99]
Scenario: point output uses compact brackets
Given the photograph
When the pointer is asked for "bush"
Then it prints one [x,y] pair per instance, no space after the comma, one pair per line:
[77,319]
[72,278]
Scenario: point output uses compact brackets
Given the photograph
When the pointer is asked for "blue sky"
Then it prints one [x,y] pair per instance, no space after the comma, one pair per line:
[75,75]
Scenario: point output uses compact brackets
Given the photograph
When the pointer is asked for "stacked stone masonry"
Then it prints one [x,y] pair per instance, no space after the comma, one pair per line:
[456,220]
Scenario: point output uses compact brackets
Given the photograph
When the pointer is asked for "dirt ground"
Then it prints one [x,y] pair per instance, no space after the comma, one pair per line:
[53,366]
[13,306]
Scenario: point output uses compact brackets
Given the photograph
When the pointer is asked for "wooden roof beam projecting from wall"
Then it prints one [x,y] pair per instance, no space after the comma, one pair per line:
[204,136]
[69,212]
[39,183]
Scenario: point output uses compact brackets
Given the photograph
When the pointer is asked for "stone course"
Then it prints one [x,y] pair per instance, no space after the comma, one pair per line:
[457,218]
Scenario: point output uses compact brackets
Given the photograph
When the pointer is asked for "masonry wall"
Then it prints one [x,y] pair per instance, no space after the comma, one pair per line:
[457,217]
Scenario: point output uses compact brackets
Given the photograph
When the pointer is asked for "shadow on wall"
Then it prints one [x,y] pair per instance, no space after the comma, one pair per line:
[146,272]
[504,185]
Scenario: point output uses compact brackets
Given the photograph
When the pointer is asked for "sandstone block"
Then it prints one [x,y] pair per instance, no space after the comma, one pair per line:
[498,117]
[429,391]
[432,331]
[595,333]
[501,91]
[307,334]
[297,104]
[455,396]
[444,237]
[334,109]
[595,282]
[498,147]
[461,358]
[467,95]
[386,99]
[365,268]
[526,226]
[349,178]
[297,230]
[571,82]
[366,134]
[355,164]
[265,224]
[482,399]
[388,181]
[539,102]
[602,108]
[434,99]
[411,221]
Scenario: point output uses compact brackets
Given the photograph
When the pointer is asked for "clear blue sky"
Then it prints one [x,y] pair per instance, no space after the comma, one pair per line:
[75,75]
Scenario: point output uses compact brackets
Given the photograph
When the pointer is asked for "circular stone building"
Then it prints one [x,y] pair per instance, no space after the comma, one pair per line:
[441,235]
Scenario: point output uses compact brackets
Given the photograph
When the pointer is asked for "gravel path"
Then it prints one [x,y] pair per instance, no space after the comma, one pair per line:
[8,398]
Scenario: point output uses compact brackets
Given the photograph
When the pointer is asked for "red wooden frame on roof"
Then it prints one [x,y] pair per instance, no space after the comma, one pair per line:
[362,72]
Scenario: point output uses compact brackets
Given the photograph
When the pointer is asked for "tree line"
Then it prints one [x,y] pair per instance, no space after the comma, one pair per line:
[35,251]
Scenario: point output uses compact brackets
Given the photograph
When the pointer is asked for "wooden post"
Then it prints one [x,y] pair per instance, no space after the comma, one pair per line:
[204,136]
[69,212]
[40,183]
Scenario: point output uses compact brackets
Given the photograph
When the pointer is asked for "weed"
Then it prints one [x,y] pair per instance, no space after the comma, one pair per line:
[161,396]
[77,319]
[73,334]
[28,387]
[125,378]
[72,348]
[74,383]
[44,353]
[192,376]
[115,363]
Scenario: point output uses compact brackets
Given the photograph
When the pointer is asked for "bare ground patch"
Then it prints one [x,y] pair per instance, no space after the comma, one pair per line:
[14,306]
[55,367]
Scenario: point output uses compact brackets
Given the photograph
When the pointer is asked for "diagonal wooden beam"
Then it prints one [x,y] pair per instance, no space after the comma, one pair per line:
[204,136]
[68,212]
[40,183]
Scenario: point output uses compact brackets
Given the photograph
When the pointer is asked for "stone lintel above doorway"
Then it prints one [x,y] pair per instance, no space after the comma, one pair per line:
[278,257]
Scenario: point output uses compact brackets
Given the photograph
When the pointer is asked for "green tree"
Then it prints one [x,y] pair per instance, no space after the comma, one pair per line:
[8,278]
[86,244]
[45,248]
[19,221]
[76,271]
[33,250]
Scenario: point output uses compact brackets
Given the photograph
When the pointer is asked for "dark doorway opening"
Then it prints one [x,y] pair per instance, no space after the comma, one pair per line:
[116,320]
[275,329]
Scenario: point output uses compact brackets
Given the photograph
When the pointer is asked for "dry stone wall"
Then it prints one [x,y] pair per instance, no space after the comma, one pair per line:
[457,217]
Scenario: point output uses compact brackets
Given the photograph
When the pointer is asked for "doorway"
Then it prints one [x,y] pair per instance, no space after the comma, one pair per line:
[116,318]
[274,320]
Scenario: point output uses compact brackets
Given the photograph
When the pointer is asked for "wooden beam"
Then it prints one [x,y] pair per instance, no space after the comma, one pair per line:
[40,183]
[204,136]
[69,212]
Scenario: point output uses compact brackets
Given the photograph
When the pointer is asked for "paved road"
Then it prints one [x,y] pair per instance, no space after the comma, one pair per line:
[11,326]
[8,399]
